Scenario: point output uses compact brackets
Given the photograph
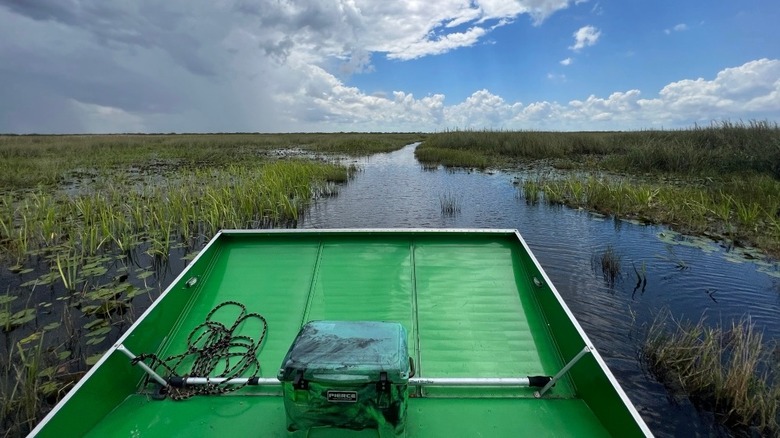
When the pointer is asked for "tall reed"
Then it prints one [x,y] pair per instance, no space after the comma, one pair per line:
[725,369]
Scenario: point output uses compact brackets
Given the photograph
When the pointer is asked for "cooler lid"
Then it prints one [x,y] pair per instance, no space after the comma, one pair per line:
[348,352]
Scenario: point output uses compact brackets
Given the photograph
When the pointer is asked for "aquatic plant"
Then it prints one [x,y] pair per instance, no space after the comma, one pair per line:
[610,264]
[723,369]
[450,204]
[451,157]
[531,190]
[45,160]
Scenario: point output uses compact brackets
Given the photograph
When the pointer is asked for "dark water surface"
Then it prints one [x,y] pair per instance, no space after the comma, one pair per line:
[691,278]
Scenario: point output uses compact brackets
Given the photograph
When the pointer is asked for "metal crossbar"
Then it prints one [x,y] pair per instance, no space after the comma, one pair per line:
[545,382]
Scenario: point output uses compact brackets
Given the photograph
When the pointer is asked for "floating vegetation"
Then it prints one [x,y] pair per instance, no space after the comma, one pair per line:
[723,369]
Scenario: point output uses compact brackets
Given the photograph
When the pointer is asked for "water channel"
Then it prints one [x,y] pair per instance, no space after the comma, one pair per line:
[689,277]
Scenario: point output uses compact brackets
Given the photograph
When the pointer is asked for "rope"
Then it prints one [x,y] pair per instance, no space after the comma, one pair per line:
[215,349]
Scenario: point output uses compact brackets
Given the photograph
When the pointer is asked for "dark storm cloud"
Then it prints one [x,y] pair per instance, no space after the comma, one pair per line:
[133,24]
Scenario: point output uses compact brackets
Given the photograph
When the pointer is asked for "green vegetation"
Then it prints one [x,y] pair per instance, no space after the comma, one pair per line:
[450,204]
[703,151]
[31,160]
[725,370]
[88,224]
[451,157]
[609,263]
[722,180]
[744,210]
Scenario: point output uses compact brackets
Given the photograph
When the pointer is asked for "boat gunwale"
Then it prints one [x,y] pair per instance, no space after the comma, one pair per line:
[314,231]
[593,350]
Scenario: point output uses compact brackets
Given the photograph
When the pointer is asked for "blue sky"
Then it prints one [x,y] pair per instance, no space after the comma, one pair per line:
[72,66]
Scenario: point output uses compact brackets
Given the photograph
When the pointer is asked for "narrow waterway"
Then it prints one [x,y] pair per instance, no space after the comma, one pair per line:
[691,278]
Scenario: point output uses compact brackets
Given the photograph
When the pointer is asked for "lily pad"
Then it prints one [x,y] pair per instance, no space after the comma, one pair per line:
[19,318]
[95,341]
[51,326]
[104,330]
[31,338]
[92,360]
[145,274]
[674,238]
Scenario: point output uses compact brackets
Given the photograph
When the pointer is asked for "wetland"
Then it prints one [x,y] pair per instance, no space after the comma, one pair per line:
[93,228]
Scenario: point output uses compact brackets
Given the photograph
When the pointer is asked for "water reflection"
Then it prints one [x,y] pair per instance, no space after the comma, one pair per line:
[394,190]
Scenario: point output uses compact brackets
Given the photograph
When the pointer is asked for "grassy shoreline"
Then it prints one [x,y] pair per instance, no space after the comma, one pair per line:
[31,160]
[722,181]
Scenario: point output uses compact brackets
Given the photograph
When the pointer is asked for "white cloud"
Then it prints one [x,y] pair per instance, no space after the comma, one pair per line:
[584,37]
[748,91]
[280,66]
[556,77]
[442,44]
[677,28]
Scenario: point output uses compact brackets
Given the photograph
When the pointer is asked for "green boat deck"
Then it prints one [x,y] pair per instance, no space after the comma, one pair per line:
[468,301]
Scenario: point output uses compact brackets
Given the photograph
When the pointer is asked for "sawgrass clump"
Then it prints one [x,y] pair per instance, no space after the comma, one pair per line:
[723,369]
[450,204]
[609,262]
[739,209]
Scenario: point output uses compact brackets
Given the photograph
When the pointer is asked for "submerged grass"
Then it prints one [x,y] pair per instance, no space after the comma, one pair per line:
[724,369]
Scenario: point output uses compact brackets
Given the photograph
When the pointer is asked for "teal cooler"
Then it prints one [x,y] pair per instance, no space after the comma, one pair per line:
[347,374]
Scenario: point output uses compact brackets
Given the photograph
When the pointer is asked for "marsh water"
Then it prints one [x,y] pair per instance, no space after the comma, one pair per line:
[688,276]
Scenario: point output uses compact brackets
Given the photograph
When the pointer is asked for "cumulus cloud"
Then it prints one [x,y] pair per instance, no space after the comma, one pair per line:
[751,90]
[204,65]
[236,65]
[584,37]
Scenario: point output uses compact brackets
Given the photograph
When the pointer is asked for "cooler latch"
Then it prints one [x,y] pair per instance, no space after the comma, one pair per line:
[299,382]
[383,391]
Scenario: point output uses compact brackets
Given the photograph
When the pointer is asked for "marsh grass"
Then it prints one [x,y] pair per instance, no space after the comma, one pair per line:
[725,147]
[723,369]
[742,209]
[451,157]
[450,204]
[609,263]
[42,160]
[722,179]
